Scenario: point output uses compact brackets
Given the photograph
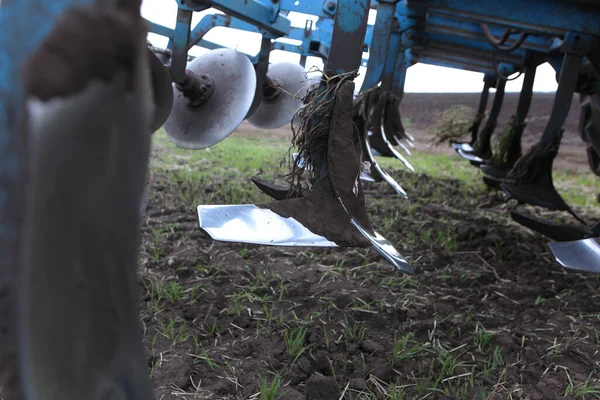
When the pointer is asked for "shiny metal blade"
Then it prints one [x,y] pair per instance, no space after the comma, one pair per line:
[582,255]
[386,249]
[469,156]
[247,223]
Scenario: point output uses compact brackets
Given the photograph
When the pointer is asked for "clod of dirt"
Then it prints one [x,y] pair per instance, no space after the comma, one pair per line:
[305,365]
[357,384]
[322,388]
[384,372]
[370,346]
[491,239]
[291,394]
[322,363]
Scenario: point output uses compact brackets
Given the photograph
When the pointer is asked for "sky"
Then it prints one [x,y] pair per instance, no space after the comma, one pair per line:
[420,78]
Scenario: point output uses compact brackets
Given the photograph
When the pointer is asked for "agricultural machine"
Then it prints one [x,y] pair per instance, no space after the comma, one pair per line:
[82,90]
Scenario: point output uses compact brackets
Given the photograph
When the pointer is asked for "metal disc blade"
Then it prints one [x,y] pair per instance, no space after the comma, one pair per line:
[162,88]
[247,223]
[206,125]
[582,255]
[293,82]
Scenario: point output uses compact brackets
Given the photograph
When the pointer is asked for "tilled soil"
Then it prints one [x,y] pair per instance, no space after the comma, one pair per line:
[489,313]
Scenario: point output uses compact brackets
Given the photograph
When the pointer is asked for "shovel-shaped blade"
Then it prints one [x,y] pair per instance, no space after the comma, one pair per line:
[582,255]
[247,223]
[469,156]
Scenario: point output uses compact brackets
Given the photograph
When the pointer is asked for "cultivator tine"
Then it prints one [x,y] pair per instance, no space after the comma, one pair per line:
[410,141]
[366,109]
[373,104]
[391,149]
[581,255]
[470,156]
[376,170]
[508,150]
[530,180]
[402,146]
[488,82]
[482,149]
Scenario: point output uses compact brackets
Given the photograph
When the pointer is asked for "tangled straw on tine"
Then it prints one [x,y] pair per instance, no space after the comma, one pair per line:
[310,136]
[505,141]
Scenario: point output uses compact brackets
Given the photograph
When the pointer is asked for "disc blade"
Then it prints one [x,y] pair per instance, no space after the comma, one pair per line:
[293,83]
[206,125]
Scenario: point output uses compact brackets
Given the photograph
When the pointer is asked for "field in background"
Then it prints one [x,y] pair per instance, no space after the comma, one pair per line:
[488,315]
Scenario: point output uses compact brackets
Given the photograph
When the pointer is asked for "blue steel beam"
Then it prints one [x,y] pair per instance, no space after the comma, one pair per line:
[477,49]
[439,24]
[319,8]
[380,43]
[549,17]
[263,14]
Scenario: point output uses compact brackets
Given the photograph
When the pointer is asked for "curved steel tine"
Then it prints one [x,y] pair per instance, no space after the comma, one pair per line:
[382,174]
[469,156]
[409,143]
[402,146]
[392,149]
[386,249]
[409,136]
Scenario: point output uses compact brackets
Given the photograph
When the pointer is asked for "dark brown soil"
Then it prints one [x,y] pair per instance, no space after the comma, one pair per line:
[489,314]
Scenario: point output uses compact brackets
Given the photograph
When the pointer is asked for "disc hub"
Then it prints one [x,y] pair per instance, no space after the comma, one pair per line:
[271,88]
[196,88]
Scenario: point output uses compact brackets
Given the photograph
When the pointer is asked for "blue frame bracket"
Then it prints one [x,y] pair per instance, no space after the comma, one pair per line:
[266,17]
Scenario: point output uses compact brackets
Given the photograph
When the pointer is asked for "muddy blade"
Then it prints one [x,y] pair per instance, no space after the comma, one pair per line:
[581,255]
[277,192]
[557,232]
[247,223]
